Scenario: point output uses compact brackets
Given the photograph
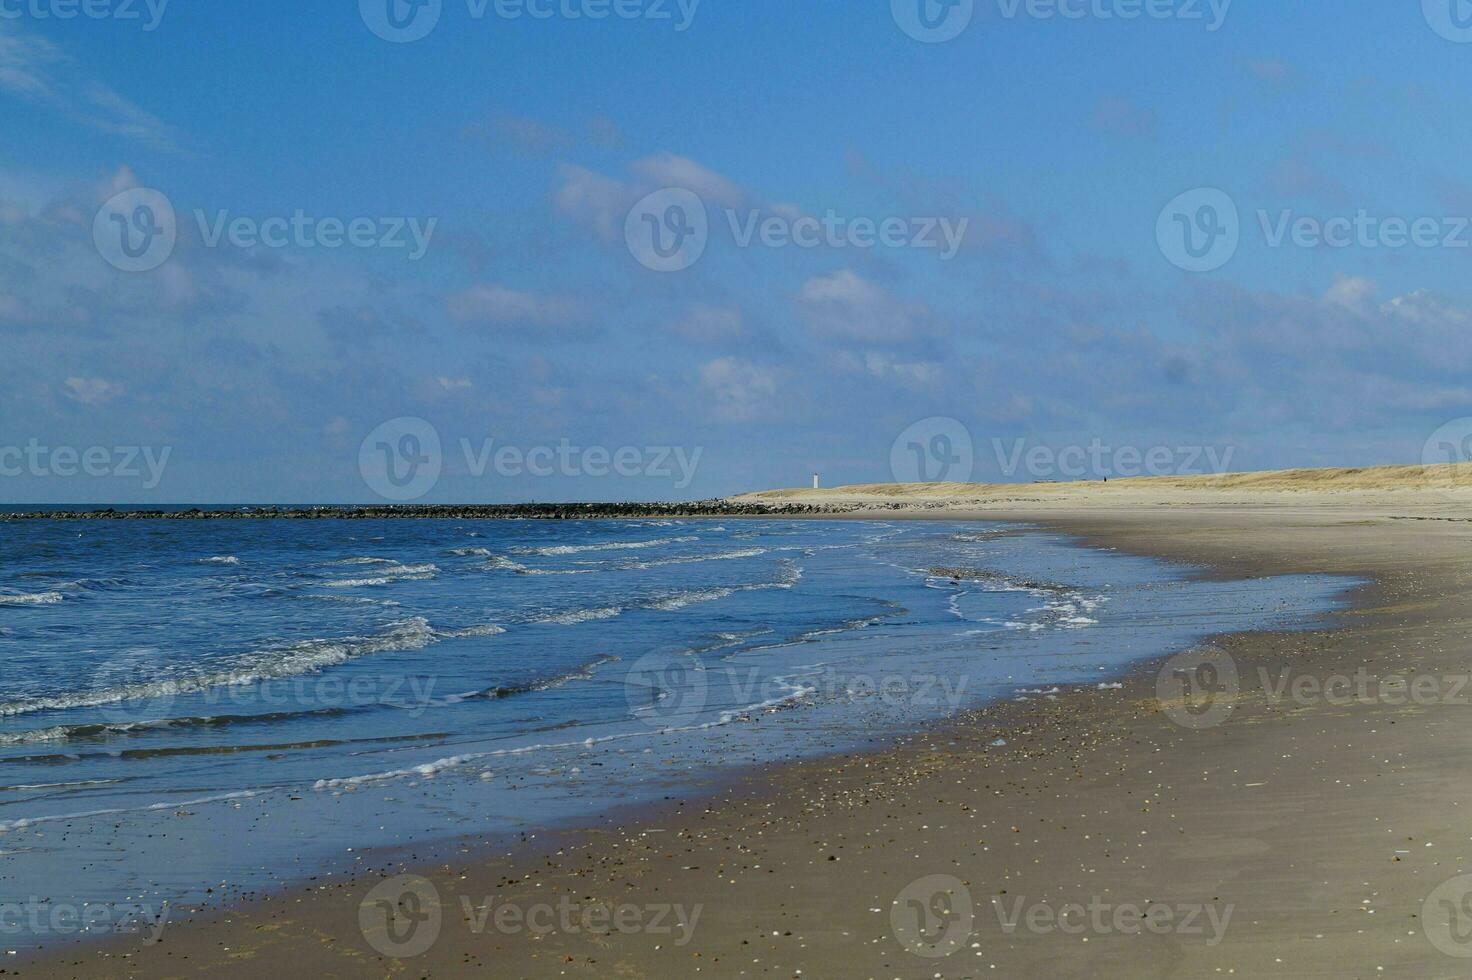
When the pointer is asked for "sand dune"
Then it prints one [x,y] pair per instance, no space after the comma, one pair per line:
[1434,484]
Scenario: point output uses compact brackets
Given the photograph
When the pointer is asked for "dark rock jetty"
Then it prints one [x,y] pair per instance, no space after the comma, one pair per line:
[549,512]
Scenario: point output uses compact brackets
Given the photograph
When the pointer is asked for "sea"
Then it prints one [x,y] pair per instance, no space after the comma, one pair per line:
[191,710]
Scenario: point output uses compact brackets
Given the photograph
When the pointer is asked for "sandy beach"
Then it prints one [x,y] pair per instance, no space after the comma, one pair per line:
[1274,805]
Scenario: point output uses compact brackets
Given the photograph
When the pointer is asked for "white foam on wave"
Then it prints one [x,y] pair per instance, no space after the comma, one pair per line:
[696,559]
[578,549]
[1066,612]
[673,601]
[427,771]
[682,599]
[302,657]
[219,560]
[31,599]
[434,768]
[397,573]
[356,600]
[24,822]
[487,629]
[574,616]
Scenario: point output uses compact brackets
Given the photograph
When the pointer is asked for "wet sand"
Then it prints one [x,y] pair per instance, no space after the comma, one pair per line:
[1297,836]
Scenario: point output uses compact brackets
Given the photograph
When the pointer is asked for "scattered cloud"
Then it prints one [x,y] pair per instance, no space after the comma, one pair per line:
[37,71]
[593,200]
[669,170]
[740,389]
[90,391]
[601,203]
[844,306]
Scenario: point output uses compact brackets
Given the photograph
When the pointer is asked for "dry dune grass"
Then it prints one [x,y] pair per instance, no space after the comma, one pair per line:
[1374,478]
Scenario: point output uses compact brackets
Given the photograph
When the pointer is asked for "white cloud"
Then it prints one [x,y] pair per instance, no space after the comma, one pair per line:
[1351,293]
[886,367]
[36,70]
[592,199]
[91,391]
[845,306]
[669,170]
[741,389]
[602,202]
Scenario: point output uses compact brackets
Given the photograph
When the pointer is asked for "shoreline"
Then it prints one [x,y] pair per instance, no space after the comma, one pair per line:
[1051,747]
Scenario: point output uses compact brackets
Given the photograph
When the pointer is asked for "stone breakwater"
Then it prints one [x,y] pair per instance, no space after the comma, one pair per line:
[550,512]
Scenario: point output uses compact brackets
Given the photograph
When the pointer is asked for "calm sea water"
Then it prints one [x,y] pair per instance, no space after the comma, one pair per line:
[186,705]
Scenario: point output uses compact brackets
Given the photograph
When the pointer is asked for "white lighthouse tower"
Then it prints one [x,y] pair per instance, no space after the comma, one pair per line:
[815,481]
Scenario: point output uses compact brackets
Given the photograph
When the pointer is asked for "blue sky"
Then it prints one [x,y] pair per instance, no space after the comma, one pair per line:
[1060,321]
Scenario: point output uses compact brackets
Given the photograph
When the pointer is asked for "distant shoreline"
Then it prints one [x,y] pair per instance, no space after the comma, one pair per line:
[574,511]
[1412,484]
